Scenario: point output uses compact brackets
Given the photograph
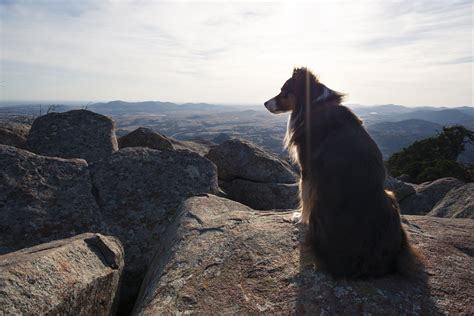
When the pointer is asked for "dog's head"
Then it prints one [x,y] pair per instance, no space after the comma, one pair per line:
[303,88]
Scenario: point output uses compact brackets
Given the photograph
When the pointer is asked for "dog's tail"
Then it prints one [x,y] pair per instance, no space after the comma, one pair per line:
[409,261]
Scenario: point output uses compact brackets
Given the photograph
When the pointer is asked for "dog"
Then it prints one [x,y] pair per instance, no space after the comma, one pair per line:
[354,226]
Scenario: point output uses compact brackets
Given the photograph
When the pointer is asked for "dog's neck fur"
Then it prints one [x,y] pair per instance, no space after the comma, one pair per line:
[296,120]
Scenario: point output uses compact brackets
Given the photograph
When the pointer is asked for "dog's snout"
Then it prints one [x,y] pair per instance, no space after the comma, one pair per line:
[271,105]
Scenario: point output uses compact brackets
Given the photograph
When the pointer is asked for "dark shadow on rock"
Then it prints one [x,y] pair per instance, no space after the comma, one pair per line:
[111,256]
[319,293]
[138,191]
[161,256]
[222,257]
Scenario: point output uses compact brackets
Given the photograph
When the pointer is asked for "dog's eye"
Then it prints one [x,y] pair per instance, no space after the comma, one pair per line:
[284,93]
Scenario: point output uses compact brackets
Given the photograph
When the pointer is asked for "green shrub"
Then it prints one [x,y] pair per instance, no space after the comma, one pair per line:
[434,157]
[437,169]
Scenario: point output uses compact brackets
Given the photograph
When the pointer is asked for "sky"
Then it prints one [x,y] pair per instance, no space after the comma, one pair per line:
[414,53]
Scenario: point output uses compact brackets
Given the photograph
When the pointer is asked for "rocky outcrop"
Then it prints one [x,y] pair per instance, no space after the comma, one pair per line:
[138,190]
[220,256]
[213,255]
[43,199]
[241,159]
[458,203]
[405,178]
[427,195]
[264,196]
[401,189]
[197,145]
[253,176]
[13,134]
[74,134]
[76,276]
[221,137]
[145,137]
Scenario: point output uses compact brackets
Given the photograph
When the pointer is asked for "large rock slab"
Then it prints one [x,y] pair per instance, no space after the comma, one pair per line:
[197,145]
[13,134]
[76,276]
[458,203]
[73,134]
[145,137]
[400,188]
[255,177]
[222,257]
[264,196]
[138,190]
[241,159]
[405,178]
[43,199]
[427,195]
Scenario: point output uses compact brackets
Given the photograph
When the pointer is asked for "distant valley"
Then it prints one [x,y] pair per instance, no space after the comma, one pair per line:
[393,127]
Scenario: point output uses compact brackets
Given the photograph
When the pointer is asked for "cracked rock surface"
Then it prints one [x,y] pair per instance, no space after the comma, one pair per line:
[241,159]
[457,203]
[13,134]
[43,199]
[75,276]
[221,256]
[138,190]
[427,195]
[255,177]
[145,137]
[73,134]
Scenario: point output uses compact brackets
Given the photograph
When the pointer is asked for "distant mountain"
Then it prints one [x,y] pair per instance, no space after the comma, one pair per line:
[407,127]
[118,107]
[384,109]
[395,108]
[34,109]
[396,113]
[394,136]
[129,107]
[122,107]
[466,109]
[444,117]
[392,126]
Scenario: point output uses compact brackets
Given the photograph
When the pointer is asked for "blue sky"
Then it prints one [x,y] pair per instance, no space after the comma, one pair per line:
[402,52]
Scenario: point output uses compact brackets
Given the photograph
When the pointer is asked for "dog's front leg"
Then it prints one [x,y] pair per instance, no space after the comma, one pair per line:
[296,217]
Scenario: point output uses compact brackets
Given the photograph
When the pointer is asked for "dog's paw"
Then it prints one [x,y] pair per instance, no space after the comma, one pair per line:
[296,217]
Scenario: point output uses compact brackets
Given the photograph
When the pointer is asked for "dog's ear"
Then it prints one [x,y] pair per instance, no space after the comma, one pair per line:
[303,74]
[297,75]
[295,71]
[304,79]
[298,71]
[299,79]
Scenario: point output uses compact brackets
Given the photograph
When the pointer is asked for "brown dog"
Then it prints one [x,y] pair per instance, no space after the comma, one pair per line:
[354,224]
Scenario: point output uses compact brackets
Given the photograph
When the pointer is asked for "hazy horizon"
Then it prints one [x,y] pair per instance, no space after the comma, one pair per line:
[411,53]
[6,103]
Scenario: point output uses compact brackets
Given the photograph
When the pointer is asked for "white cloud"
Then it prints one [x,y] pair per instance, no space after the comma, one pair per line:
[411,52]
